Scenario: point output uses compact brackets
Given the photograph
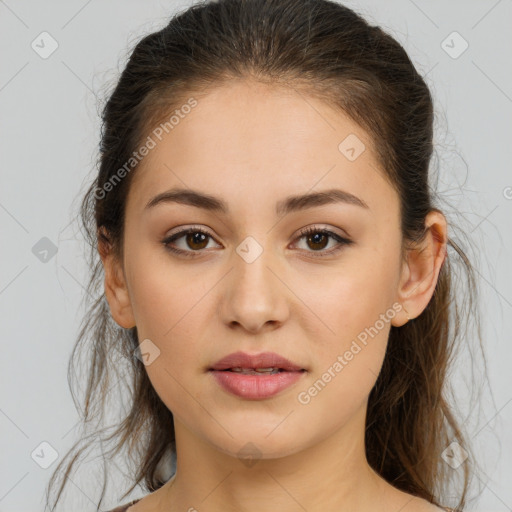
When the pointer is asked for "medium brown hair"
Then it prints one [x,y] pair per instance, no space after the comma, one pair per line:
[326,50]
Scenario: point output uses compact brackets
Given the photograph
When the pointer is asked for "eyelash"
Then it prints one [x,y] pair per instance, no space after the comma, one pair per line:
[304,232]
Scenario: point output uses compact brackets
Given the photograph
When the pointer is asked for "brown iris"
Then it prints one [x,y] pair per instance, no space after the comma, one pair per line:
[196,237]
[317,239]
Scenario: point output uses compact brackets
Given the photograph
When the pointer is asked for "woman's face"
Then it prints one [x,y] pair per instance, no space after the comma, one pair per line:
[255,283]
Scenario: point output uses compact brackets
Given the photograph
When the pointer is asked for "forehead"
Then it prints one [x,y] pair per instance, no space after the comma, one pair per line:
[250,140]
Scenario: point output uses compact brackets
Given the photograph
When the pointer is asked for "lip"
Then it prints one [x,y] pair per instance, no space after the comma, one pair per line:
[262,360]
[256,387]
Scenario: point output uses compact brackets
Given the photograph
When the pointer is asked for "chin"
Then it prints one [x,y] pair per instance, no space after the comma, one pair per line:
[257,444]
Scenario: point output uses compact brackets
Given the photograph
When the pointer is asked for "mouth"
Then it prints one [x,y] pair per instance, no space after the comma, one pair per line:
[256,383]
[256,376]
[258,371]
[262,363]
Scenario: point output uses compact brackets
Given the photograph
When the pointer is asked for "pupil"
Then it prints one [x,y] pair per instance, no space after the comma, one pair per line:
[315,237]
[196,238]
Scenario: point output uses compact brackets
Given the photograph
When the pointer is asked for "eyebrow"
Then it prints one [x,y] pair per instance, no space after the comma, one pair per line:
[290,204]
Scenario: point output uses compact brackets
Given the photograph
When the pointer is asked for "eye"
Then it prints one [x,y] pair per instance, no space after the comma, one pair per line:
[196,238]
[318,239]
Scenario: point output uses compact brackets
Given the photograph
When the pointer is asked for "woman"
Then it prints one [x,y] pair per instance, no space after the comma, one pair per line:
[275,267]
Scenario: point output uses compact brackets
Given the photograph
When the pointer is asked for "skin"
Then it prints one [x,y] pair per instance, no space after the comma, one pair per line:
[253,145]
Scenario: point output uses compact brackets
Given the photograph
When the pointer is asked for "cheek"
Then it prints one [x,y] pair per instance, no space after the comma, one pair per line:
[162,294]
[178,367]
[350,354]
[354,295]
[355,304]
[169,312]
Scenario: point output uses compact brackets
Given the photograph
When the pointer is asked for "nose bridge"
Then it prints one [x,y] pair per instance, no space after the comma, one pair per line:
[251,274]
[254,294]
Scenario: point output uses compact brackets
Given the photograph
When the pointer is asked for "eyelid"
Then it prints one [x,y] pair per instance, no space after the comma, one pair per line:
[324,228]
[301,232]
[341,240]
[183,230]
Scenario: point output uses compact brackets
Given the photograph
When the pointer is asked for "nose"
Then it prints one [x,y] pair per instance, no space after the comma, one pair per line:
[255,296]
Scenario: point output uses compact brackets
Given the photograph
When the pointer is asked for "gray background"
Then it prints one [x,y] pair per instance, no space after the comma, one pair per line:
[49,138]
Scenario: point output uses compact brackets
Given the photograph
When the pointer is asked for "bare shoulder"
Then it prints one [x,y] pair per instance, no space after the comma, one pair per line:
[409,503]
[148,503]
[415,504]
[139,506]
[394,499]
[430,507]
[421,505]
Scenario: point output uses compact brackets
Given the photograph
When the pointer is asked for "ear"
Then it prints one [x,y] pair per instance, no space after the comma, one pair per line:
[421,269]
[116,290]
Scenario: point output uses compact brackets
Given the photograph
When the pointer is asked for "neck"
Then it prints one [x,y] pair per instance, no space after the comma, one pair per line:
[332,474]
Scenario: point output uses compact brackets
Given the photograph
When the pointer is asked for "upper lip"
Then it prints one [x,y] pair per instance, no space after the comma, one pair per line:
[262,360]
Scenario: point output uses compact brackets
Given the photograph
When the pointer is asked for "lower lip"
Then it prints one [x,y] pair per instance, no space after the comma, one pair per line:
[256,387]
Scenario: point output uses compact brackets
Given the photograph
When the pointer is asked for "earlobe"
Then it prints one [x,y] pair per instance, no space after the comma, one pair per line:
[421,269]
[116,291]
